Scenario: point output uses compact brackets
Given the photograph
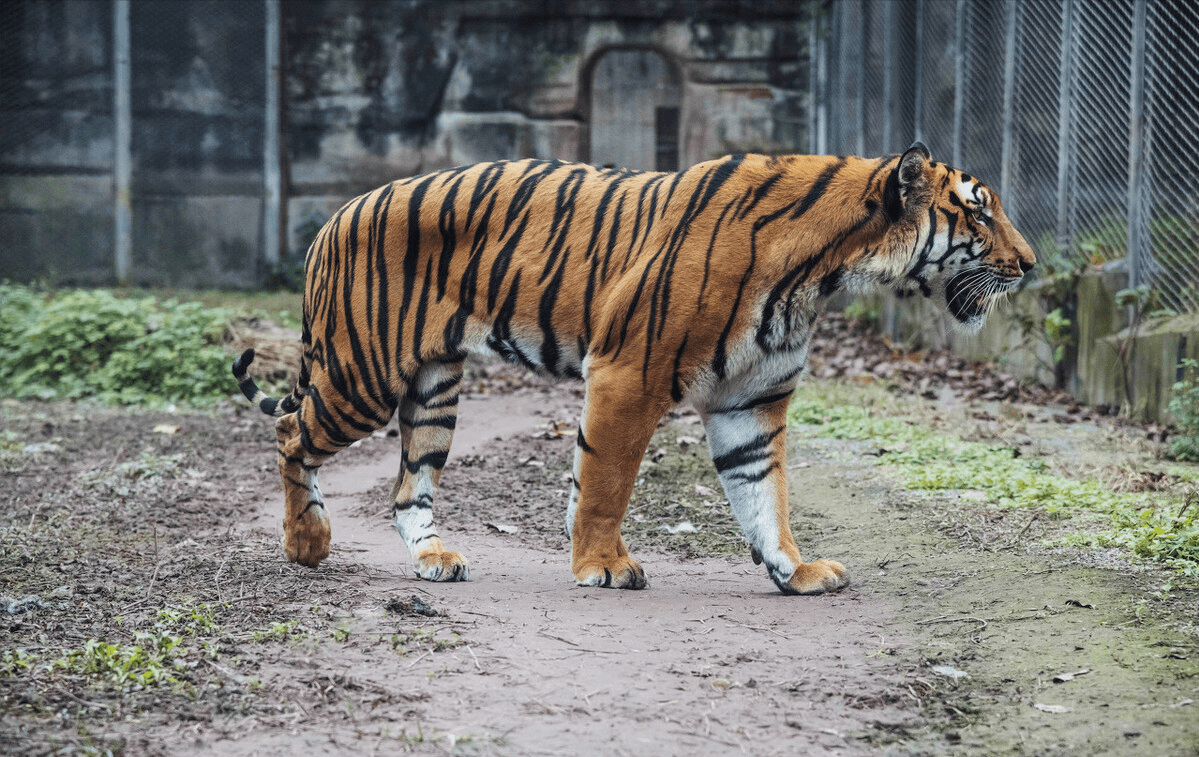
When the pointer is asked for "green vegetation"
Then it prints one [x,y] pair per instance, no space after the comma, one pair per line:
[1154,525]
[1184,406]
[94,344]
[152,657]
[424,639]
[125,347]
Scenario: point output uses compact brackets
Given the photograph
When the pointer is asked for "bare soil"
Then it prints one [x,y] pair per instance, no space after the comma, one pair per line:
[125,522]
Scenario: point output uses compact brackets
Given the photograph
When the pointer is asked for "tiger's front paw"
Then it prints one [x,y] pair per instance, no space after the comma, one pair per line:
[617,573]
[442,566]
[817,577]
[306,541]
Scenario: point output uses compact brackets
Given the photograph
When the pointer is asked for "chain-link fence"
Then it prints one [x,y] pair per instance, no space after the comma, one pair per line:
[133,141]
[1081,114]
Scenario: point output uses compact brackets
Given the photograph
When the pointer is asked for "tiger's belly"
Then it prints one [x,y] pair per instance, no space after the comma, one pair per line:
[527,347]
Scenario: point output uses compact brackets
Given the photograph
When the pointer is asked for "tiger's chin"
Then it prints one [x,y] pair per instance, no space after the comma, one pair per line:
[970,295]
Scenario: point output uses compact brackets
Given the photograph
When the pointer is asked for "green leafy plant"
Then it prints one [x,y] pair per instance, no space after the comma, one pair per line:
[1184,407]
[125,350]
[1059,333]
[155,658]
[1143,302]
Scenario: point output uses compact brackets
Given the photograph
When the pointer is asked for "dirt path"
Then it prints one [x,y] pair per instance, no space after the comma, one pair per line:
[938,647]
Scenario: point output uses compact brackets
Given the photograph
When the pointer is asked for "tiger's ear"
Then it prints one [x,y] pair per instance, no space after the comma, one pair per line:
[907,181]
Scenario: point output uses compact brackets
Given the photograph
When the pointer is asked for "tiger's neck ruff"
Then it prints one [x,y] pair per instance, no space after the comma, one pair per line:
[652,287]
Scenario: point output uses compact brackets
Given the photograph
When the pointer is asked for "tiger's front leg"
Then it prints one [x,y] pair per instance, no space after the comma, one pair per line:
[747,437]
[615,430]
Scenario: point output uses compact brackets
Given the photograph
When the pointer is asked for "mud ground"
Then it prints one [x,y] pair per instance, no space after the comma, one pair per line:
[128,525]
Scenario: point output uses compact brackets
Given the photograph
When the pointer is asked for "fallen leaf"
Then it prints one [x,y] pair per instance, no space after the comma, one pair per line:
[1063,677]
[686,527]
[1056,709]
[948,672]
[704,491]
[166,428]
[687,441]
[503,528]
[1076,603]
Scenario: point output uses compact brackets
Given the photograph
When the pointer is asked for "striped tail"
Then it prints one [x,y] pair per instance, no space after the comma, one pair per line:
[249,387]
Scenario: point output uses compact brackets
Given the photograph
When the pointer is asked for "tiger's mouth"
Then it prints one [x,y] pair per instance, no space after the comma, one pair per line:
[970,294]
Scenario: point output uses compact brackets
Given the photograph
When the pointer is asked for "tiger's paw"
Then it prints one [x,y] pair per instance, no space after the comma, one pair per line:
[617,573]
[306,541]
[816,577]
[442,566]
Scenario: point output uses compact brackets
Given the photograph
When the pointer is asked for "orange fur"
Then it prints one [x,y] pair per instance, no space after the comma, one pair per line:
[653,287]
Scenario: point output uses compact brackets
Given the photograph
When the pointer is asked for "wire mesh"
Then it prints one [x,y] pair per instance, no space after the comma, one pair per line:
[1172,163]
[56,154]
[1043,100]
[198,82]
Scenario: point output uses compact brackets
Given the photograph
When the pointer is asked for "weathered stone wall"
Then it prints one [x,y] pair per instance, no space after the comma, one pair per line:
[372,91]
[1091,368]
[378,91]
[56,150]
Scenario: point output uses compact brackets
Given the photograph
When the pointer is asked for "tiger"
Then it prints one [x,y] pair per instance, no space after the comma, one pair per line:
[653,288]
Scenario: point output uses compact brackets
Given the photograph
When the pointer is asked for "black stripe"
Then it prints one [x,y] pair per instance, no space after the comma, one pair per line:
[766,399]
[545,318]
[441,387]
[817,189]
[422,309]
[753,478]
[435,459]
[441,421]
[469,285]
[755,450]
[581,441]
[499,266]
[449,236]
[708,256]
[762,190]
[676,386]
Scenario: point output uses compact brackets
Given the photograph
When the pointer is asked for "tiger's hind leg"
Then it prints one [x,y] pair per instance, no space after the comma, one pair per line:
[307,438]
[747,437]
[428,414]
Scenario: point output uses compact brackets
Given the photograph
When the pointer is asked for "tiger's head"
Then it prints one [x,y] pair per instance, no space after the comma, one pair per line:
[964,252]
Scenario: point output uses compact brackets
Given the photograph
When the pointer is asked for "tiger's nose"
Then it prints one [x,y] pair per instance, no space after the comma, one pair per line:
[1026,266]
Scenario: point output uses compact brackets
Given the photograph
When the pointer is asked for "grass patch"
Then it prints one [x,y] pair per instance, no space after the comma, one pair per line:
[1162,527]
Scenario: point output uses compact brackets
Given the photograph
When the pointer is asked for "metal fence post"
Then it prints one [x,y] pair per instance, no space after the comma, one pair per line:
[1010,25]
[1065,125]
[889,66]
[820,25]
[918,76]
[1138,219]
[272,176]
[122,166]
[959,77]
[859,93]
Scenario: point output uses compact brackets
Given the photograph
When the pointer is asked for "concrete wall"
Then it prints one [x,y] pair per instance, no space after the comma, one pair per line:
[372,91]
[378,91]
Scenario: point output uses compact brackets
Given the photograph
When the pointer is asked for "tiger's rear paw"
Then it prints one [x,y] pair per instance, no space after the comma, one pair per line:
[817,577]
[618,573]
[306,541]
[442,566]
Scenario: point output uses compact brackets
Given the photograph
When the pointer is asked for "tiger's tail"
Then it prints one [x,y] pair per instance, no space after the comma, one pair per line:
[249,387]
